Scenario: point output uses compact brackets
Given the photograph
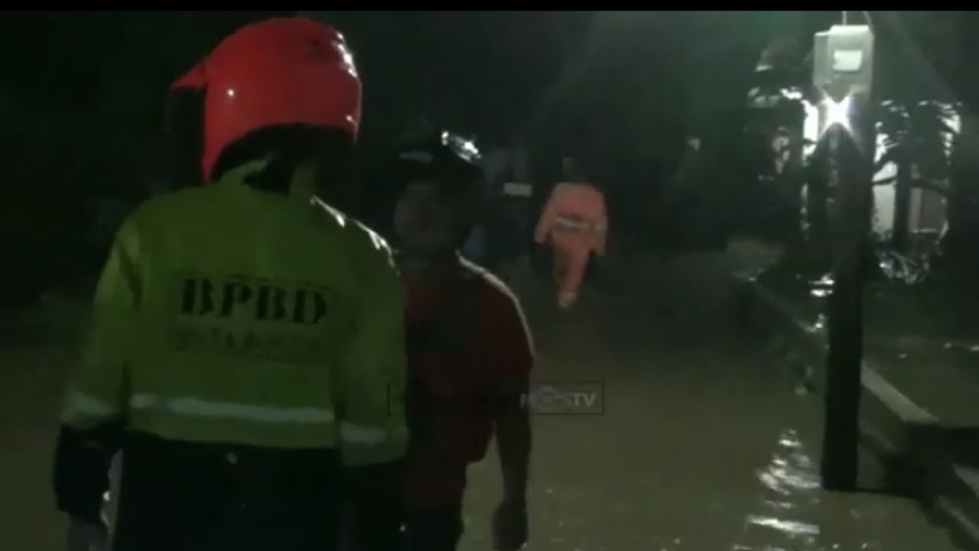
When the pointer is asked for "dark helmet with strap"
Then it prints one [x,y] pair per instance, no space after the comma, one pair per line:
[447,160]
[451,163]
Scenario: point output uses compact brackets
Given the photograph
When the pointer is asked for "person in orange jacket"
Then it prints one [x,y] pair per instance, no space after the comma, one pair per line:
[574,225]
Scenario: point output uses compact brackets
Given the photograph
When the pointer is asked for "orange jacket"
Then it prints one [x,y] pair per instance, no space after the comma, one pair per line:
[577,207]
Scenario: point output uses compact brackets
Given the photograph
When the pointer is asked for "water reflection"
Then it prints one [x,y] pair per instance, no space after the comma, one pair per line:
[790,489]
[693,452]
[822,287]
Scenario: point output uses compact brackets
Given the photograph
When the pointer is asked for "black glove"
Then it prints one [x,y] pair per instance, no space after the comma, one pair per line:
[81,469]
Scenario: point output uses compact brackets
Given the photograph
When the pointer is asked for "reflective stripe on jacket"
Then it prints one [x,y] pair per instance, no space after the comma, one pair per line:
[250,318]
[229,320]
[577,207]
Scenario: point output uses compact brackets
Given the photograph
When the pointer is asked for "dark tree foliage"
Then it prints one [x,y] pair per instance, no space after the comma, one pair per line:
[82,100]
[83,97]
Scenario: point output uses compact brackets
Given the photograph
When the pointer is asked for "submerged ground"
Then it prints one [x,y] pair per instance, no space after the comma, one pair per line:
[696,441]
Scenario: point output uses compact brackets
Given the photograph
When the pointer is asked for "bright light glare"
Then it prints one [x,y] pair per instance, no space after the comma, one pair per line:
[810,129]
[465,148]
[837,113]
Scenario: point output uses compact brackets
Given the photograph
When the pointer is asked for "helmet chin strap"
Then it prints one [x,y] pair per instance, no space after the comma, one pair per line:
[298,184]
[302,186]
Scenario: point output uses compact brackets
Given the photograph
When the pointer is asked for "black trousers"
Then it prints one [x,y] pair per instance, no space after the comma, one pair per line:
[434,528]
[429,529]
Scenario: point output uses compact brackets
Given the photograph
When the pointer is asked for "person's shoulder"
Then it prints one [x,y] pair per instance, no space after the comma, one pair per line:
[504,309]
[495,288]
[169,206]
[358,239]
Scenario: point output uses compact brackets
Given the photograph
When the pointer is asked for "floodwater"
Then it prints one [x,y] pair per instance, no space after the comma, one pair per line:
[701,445]
[661,426]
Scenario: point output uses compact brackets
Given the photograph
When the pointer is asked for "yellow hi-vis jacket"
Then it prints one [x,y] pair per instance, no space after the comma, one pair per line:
[231,315]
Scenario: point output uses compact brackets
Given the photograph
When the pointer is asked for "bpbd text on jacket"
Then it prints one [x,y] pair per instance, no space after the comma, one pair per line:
[263,318]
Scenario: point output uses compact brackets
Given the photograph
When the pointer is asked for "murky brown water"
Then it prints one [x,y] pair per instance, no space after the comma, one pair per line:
[699,447]
[702,446]
[30,392]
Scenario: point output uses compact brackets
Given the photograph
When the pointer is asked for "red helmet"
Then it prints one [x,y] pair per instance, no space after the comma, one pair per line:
[279,71]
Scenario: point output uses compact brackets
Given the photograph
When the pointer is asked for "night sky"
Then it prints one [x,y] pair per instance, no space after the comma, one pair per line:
[83,94]
[623,87]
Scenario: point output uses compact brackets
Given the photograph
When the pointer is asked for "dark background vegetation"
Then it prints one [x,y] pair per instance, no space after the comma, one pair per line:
[82,96]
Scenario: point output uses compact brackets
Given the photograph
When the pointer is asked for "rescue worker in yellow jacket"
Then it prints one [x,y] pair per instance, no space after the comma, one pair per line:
[247,338]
